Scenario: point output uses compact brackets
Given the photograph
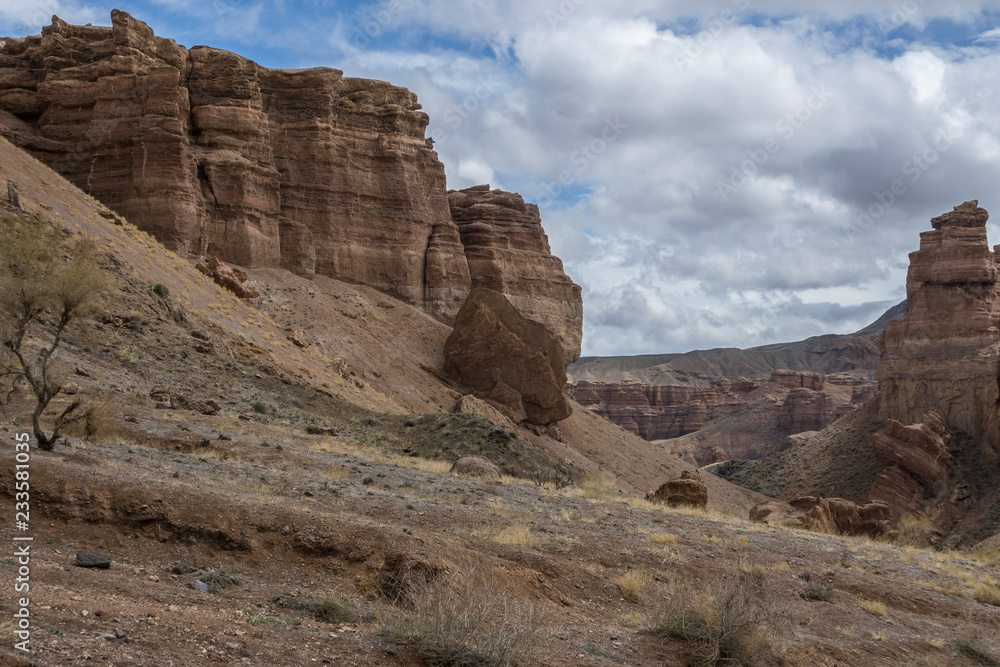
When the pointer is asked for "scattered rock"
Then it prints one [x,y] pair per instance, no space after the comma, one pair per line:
[92,560]
[476,466]
[688,489]
[199,586]
[180,567]
[71,389]
[233,279]
[300,339]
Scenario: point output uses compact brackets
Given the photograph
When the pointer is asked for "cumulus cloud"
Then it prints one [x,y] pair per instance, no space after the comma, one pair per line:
[721,173]
[32,15]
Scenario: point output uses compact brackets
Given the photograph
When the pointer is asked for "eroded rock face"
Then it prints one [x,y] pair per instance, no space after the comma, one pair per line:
[806,410]
[944,356]
[307,170]
[836,516]
[688,489]
[798,379]
[494,343]
[508,252]
[916,477]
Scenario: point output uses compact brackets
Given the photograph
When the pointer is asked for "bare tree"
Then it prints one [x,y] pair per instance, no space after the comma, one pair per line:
[47,283]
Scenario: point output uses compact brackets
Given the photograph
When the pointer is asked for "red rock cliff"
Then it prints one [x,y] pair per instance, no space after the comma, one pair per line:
[944,356]
[307,169]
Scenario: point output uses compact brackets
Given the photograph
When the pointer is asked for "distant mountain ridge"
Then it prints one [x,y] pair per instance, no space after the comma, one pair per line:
[832,353]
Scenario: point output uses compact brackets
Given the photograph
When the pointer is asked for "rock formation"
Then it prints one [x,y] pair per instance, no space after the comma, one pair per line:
[306,170]
[508,252]
[806,410]
[493,344]
[833,516]
[688,489]
[944,356]
[798,379]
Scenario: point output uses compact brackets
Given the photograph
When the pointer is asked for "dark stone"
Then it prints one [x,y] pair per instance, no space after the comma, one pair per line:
[93,560]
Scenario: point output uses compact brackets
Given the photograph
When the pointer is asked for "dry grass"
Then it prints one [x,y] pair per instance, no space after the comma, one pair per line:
[631,584]
[873,607]
[467,617]
[519,536]
[914,531]
[987,592]
[664,538]
[598,487]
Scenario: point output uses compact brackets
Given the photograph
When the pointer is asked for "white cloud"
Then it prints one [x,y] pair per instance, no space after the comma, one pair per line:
[33,15]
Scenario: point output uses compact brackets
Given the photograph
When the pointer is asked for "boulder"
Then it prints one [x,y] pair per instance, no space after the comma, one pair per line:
[687,490]
[836,516]
[492,343]
[476,466]
[231,278]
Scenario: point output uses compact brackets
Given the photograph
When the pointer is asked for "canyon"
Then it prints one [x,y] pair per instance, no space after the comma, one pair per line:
[306,170]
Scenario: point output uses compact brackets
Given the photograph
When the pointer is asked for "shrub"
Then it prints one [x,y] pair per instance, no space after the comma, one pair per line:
[259,407]
[326,607]
[466,618]
[219,581]
[44,280]
[160,290]
[726,621]
[817,592]
[664,538]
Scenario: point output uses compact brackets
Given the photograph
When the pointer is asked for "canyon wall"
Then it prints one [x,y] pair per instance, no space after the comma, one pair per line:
[944,356]
[307,170]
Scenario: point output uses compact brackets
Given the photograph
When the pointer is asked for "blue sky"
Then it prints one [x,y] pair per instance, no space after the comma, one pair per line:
[716,174]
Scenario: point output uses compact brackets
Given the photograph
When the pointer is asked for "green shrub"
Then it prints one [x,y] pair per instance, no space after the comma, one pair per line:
[160,290]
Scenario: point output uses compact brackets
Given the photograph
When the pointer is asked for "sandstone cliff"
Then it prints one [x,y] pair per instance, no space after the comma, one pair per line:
[306,170]
[944,356]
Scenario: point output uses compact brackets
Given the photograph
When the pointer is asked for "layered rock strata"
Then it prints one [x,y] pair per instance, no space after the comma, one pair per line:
[687,490]
[508,252]
[944,356]
[307,170]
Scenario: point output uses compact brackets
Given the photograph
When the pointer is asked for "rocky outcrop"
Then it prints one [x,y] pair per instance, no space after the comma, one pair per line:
[660,412]
[508,252]
[471,405]
[492,343]
[798,379]
[833,516]
[307,170]
[916,478]
[944,356]
[806,410]
[229,277]
[688,490]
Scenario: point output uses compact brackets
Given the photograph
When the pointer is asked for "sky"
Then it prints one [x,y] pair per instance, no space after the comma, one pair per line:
[727,173]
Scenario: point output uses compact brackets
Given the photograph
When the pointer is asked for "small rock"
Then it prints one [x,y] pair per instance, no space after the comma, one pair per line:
[199,586]
[286,530]
[82,373]
[180,567]
[92,560]
[153,578]
[119,633]
[200,335]
[71,389]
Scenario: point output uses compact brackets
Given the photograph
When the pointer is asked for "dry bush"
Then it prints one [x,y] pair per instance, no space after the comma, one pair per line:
[466,618]
[914,531]
[729,621]
[326,607]
[664,538]
[220,581]
[99,422]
